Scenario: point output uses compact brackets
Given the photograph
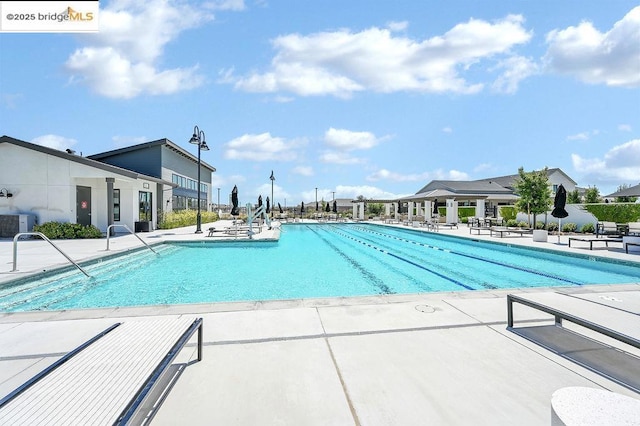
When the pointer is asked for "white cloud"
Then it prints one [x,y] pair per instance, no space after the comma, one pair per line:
[343,62]
[582,136]
[447,129]
[278,193]
[609,58]
[121,61]
[262,147]
[54,141]
[398,25]
[303,170]
[624,127]
[516,69]
[346,191]
[235,5]
[339,157]
[384,174]
[347,140]
[620,163]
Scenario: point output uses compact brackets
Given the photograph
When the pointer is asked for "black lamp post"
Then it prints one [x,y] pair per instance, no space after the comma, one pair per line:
[273,202]
[198,138]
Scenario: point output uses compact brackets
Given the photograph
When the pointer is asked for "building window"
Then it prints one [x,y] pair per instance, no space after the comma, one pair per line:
[555,188]
[184,182]
[145,203]
[116,205]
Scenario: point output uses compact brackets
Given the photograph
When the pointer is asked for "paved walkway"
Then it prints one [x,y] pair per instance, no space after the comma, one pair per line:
[433,358]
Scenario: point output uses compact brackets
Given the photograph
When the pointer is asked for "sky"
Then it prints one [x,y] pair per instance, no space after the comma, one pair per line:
[342,98]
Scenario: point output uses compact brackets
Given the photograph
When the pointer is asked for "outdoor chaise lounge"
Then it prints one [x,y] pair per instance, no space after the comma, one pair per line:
[502,230]
[479,229]
[607,228]
[591,241]
[609,321]
[633,228]
[108,379]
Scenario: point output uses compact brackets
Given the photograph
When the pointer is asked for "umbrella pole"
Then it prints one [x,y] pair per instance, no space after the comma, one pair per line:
[559,228]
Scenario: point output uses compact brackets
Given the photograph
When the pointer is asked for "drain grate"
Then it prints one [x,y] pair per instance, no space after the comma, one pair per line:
[425,309]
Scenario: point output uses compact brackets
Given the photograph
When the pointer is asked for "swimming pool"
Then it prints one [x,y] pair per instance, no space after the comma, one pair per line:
[317,260]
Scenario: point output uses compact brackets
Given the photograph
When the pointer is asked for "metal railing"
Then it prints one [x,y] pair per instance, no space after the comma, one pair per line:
[133,233]
[44,237]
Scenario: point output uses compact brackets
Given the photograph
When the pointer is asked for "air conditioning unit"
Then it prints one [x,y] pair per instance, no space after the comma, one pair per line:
[12,224]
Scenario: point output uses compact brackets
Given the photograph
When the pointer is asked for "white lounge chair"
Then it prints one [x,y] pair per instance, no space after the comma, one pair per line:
[106,380]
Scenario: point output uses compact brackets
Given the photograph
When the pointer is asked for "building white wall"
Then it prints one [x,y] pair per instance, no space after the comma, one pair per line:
[557,178]
[45,186]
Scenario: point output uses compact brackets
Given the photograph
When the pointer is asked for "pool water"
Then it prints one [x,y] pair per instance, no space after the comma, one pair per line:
[310,261]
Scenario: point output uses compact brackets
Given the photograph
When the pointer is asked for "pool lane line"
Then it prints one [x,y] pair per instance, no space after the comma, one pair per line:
[495,262]
[395,269]
[404,260]
[367,274]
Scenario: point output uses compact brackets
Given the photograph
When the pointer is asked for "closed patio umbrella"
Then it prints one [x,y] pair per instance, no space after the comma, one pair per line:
[234,201]
[268,205]
[302,207]
[559,202]
[280,208]
[259,201]
[327,208]
[435,206]
[335,206]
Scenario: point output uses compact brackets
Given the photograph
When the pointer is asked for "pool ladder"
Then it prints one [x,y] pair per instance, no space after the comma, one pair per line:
[44,237]
[130,231]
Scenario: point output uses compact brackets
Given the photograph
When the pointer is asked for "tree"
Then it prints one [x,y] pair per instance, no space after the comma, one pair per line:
[375,208]
[573,197]
[535,194]
[592,195]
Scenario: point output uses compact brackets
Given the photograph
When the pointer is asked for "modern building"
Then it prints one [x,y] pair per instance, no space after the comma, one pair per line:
[486,195]
[47,185]
[167,161]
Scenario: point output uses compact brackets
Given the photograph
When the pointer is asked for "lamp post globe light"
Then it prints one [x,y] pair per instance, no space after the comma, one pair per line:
[273,202]
[198,138]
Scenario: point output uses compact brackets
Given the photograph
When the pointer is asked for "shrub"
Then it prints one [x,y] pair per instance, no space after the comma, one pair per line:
[180,218]
[569,227]
[552,226]
[508,213]
[523,224]
[69,231]
[588,228]
[539,225]
[512,223]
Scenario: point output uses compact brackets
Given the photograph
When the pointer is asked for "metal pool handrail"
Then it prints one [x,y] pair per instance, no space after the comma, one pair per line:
[133,233]
[44,237]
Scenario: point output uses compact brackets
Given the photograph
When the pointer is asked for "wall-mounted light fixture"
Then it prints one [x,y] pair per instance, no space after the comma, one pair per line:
[145,185]
[4,192]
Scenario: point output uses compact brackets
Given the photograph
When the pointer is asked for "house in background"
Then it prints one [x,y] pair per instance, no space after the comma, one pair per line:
[486,195]
[556,178]
[165,160]
[49,185]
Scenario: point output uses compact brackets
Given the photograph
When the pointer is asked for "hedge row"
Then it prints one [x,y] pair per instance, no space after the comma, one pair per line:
[67,231]
[181,218]
[615,212]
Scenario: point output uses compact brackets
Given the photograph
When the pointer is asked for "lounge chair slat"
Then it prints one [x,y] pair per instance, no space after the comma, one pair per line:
[98,383]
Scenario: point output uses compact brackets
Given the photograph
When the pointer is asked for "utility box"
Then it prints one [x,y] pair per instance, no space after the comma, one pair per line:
[12,224]
[144,226]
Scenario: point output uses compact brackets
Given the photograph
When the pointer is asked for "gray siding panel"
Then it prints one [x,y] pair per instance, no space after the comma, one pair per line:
[146,161]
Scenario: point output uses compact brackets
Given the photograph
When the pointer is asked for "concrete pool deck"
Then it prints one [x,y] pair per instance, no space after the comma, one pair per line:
[431,358]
